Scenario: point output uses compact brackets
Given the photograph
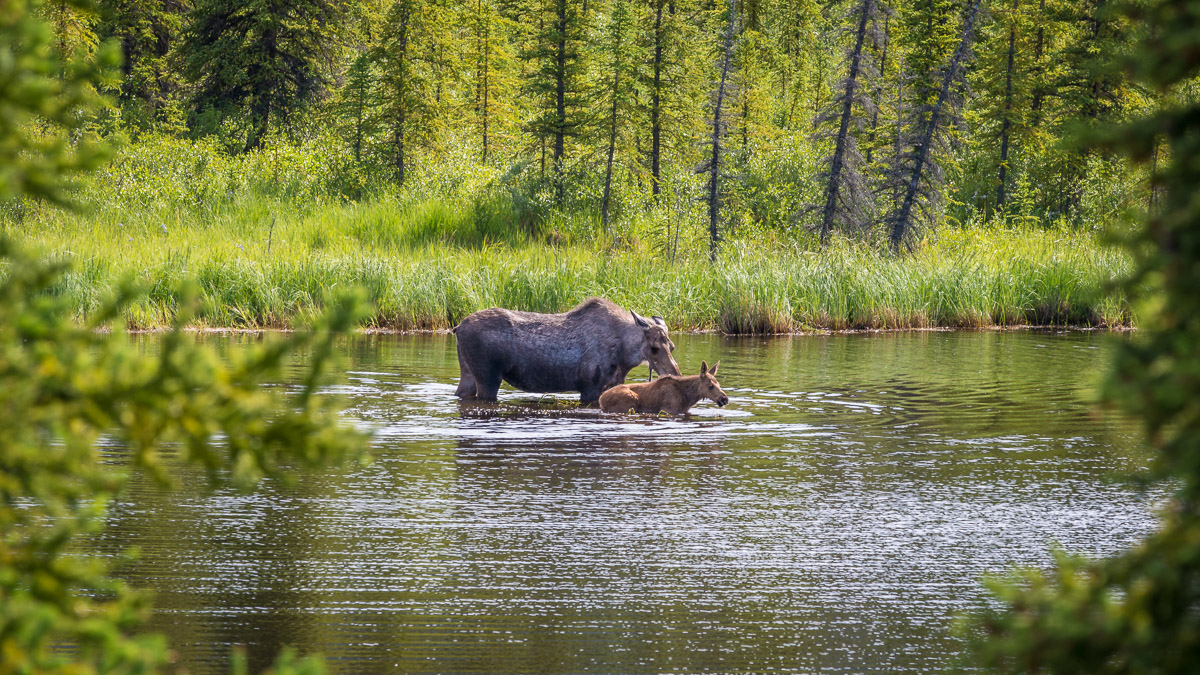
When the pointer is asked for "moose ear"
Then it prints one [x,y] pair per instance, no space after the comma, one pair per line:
[703,367]
[640,321]
[713,371]
[659,320]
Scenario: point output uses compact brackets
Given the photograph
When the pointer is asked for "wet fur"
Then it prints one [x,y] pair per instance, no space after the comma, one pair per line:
[588,349]
[668,394]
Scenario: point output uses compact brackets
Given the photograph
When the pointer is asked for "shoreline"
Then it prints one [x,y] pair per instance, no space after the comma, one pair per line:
[213,330]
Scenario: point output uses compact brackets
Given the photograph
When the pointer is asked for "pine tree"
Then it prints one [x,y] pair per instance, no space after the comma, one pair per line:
[847,201]
[717,132]
[917,171]
[492,86]
[676,77]
[49,98]
[657,67]
[407,63]
[1137,611]
[1004,85]
[622,60]
[357,104]
[1087,92]
[146,30]
[554,79]
[261,59]
[73,26]
[791,25]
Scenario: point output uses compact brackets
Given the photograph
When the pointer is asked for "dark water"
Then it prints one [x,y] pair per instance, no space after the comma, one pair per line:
[834,517]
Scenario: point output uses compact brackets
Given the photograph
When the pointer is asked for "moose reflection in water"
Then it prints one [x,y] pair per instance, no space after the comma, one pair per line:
[671,395]
[588,349]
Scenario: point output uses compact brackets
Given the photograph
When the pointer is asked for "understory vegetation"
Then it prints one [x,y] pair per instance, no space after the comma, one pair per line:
[266,237]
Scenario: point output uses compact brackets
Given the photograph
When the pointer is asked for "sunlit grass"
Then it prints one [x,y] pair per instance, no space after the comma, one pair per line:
[268,235]
[426,264]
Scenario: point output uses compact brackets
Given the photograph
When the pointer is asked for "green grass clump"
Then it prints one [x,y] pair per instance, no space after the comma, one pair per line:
[267,236]
[427,264]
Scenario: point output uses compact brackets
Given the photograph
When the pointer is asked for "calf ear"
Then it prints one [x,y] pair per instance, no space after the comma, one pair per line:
[703,367]
[659,320]
[714,368]
[640,321]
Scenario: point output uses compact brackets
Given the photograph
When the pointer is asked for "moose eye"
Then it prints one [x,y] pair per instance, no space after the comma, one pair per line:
[654,350]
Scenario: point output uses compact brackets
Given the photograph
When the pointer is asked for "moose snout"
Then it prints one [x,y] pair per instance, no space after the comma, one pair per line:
[722,401]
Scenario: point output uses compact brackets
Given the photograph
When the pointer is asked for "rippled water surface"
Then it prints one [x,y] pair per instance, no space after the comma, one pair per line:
[834,517]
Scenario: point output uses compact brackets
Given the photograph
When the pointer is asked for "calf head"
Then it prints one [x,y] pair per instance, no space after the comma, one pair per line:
[709,387]
[657,347]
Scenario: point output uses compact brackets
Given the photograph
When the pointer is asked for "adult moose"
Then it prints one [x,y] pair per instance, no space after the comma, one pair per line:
[588,349]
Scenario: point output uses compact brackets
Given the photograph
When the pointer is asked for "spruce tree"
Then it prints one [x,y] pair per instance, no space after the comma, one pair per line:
[847,201]
[1137,611]
[622,60]
[49,99]
[677,78]
[357,104]
[147,31]
[917,171]
[554,79]
[492,87]
[407,63]
[1003,84]
[717,130]
[261,60]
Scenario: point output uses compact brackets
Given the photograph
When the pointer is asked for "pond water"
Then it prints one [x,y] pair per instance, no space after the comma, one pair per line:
[835,517]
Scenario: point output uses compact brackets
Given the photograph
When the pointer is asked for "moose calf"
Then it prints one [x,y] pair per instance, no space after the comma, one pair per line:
[669,394]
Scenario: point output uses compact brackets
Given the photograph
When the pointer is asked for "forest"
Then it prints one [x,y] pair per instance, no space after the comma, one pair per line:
[928,146]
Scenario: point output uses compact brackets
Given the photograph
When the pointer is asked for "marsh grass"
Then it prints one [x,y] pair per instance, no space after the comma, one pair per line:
[426,264]
[267,237]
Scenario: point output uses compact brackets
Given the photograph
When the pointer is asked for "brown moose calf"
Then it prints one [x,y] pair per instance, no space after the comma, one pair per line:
[669,394]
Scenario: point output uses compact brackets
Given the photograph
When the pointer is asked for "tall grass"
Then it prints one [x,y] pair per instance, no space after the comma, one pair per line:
[427,266]
[267,241]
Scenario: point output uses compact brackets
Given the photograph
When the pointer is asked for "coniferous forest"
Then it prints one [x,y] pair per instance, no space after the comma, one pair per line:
[669,132]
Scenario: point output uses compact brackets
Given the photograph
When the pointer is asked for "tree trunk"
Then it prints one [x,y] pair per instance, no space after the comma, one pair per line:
[656,106]
[714,169]
[560,100]
[485,84]
[612,130]
[401,95]
[887,39]
[1006,125]
[902,223]
[1039,91]
[839,150]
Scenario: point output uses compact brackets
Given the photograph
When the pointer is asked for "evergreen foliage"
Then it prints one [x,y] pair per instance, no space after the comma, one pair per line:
[65,383]
[577,128]
[847,204]
[48,93]
[934,115]
[554,60]
[146,31]
[408,62]
[257,62]
[62,386]
[1137,612]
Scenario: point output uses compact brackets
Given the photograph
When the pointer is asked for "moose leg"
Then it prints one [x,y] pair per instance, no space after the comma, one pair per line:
[487,384]
[466,380]
[589,395]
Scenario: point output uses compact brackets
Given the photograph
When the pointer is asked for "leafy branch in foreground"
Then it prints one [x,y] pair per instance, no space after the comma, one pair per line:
[1138,612]
[63,387]
[47,100]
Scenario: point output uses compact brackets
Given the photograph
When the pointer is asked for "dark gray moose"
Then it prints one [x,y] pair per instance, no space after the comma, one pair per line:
[588,349]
